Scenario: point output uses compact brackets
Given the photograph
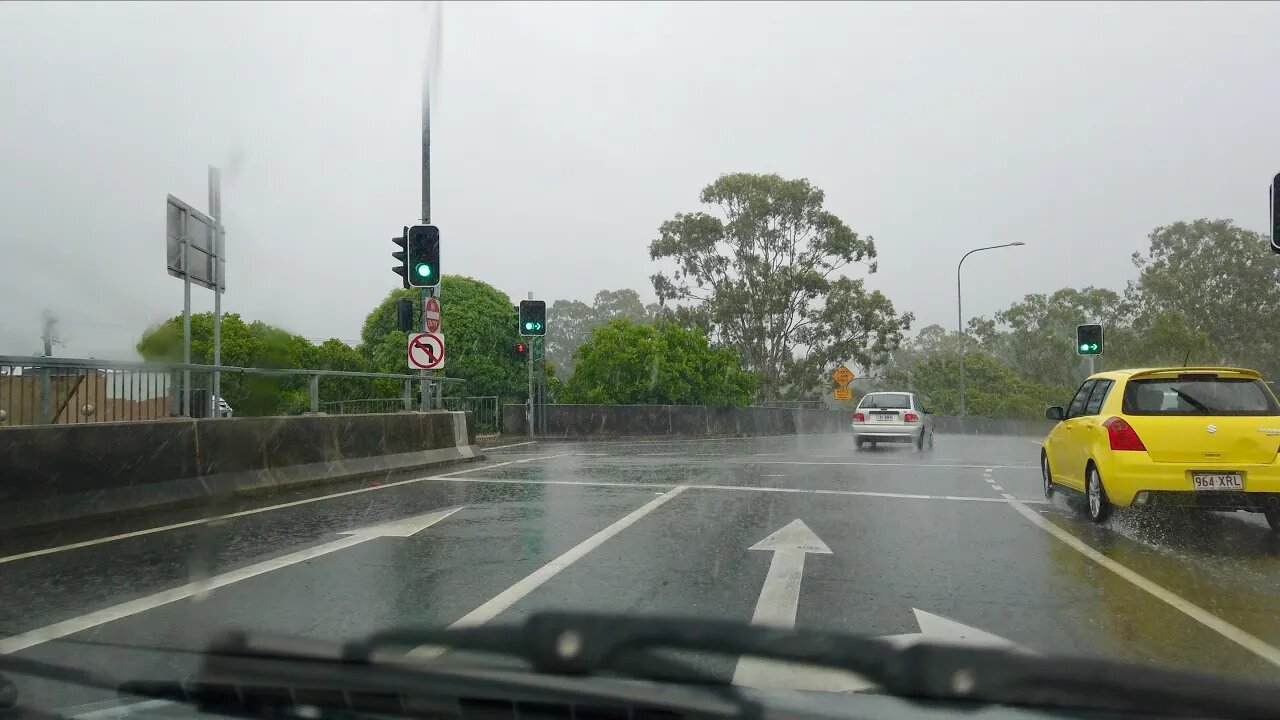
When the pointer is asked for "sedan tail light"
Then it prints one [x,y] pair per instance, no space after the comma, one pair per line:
[1122,435]
[911,417]
[859,417]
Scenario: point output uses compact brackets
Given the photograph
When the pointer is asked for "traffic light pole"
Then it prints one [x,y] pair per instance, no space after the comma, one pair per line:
[529,404]
[425,400]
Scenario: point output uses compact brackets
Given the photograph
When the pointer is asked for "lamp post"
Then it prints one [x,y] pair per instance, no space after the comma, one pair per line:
[960,313]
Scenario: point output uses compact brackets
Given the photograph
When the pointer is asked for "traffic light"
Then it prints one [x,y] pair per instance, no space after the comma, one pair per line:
[1088,339]
[400,255]
[521,352]
[1275,214]
[533,317]
[424,256]
[404,315]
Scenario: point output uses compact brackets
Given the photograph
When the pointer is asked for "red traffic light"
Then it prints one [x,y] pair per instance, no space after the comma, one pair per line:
[522,351]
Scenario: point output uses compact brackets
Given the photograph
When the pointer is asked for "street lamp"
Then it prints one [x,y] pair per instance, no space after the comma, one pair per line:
[960,313]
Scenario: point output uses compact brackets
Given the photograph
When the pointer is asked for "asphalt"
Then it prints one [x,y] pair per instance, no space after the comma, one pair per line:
[961,531]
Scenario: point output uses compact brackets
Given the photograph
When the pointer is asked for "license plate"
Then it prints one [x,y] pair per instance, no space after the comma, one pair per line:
[884,417]
[1217,481]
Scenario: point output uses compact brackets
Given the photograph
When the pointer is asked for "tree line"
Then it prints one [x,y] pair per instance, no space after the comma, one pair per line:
[761,294]
[1206,293]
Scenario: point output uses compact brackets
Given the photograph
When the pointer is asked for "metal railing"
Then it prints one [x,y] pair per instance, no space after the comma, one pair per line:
[486,408]
[794,404]
[46,390]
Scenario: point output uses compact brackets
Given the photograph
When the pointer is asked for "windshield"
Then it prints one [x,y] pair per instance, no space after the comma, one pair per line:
[324,319]
[1204,395]
[887,401]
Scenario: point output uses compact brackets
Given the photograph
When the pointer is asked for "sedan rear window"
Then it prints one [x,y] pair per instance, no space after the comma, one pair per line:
[1192,394]
[892,401]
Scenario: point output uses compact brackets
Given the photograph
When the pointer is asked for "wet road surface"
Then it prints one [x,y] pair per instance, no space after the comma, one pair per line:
[894,537]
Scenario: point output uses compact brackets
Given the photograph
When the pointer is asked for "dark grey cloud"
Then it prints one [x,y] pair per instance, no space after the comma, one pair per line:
[565,133]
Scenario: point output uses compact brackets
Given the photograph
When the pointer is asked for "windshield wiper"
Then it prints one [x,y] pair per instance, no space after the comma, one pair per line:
[610,660]
[584,643]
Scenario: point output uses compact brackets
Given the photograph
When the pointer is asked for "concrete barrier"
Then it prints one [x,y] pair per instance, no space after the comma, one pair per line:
[991,426]
[613,421]
[56,474]
[617,421]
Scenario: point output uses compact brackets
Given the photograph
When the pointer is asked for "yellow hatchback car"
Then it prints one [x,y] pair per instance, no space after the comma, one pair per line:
[1204,437]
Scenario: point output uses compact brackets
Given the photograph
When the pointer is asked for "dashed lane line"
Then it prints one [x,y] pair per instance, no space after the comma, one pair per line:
[492,607]
[255,511]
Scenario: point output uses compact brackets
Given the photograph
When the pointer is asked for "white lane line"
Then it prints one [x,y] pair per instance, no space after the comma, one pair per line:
[773,476]
[110,709]
[1244,639]
[405,527]
[499,447]
[997,487]
[242,513]
[1037,443]
[677,452]
[505,599]
[876,464]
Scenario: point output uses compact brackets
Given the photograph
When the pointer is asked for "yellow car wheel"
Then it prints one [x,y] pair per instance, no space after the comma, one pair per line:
[1273,519]
[1047,474]
[1097,504]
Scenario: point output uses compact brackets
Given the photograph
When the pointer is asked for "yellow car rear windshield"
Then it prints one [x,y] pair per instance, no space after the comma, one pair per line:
[1198,394]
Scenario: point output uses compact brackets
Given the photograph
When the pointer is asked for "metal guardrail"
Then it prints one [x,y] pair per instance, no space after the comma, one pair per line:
[794,404]
[48,390]
[485,408]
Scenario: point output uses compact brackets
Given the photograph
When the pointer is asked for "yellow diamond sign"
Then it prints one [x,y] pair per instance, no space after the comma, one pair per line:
[843,376]
[844,394]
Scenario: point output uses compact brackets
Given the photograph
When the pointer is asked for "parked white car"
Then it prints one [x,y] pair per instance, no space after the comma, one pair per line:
[892,417]
[223,409]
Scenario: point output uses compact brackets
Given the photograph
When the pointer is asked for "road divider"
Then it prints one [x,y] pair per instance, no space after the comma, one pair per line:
[57,475]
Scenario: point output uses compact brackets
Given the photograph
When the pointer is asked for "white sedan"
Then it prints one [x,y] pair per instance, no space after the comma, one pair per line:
[897,417]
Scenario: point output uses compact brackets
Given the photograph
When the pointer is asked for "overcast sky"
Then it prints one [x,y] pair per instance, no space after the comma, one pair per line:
[564,134]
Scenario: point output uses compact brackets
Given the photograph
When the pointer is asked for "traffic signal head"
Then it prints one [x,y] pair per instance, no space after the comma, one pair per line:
[533,317]
[1275,214]
[424,256]
[1088,339]
[522,351]
[401,255]
[404,315]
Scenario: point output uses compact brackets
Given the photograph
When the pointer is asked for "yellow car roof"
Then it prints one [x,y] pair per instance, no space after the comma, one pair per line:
[1150,372]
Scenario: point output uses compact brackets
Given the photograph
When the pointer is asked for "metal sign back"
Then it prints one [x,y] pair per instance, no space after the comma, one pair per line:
[204,246]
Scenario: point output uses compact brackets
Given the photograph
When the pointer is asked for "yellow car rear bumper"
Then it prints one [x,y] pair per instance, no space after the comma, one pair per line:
[1126,474]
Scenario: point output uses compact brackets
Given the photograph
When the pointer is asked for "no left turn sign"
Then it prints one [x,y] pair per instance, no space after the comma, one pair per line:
[426,351]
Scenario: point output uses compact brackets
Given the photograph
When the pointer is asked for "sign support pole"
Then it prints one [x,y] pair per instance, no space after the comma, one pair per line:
[186,317]
[425,400]
[215,211]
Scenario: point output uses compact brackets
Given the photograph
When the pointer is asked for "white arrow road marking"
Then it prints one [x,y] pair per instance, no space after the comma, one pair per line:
[780,596]
[933,629]
[399,528]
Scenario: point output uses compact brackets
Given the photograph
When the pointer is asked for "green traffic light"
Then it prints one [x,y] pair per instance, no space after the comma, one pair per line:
[423,270]
[1084,347]
[528,326]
